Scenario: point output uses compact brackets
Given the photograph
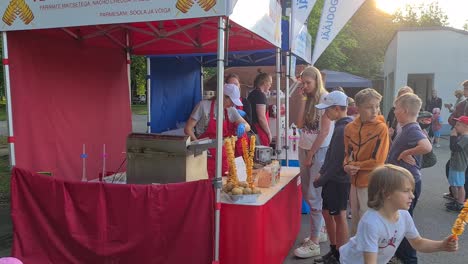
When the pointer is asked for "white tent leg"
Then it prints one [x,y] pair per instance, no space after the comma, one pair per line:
[6,72]
[278,101]
[286,102]
[219,130]
[148,93]
[127,37]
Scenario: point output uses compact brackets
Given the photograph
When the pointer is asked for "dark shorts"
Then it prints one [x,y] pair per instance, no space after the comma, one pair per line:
[335,197]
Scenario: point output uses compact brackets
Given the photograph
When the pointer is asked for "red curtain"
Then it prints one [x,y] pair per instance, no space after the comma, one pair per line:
[66,93]
[56,221]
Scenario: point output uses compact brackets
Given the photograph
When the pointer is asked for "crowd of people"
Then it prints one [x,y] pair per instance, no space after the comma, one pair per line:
[376,165]
[349,154]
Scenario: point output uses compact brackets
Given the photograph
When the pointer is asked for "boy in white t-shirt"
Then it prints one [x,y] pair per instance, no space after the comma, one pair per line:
[387,222]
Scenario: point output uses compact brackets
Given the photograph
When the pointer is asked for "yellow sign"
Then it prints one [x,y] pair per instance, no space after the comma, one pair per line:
[17,8]
[185,5]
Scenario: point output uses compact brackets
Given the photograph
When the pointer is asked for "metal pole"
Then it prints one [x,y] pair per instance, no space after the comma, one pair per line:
[286,102]
[278,101]
[148,93]
[219,130]
[6,73]
[127,38]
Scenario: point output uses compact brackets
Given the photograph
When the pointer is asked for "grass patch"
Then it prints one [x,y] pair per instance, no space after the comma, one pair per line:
[139,109]
[4,176]
[3,114]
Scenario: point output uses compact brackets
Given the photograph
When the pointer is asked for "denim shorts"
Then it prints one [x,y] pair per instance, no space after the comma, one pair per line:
[456,178]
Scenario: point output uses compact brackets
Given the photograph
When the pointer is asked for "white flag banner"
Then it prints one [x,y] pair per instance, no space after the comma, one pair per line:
[300,12]
[335,15]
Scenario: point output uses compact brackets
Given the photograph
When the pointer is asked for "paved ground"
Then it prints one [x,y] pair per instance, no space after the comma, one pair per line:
[431,218]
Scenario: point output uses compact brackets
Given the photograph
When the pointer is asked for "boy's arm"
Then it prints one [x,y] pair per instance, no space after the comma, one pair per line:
[423,147]
[370,258]
[381,152]
[454,147]
[428,246]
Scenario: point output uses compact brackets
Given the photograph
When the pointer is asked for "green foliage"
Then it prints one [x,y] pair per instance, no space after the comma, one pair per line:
[360,46]
[424,15]
[138,74]
[3,115]
[465,26]
[140,109]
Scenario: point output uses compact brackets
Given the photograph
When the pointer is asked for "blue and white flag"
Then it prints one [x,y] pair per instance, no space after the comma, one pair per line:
[300,12]
[335,15]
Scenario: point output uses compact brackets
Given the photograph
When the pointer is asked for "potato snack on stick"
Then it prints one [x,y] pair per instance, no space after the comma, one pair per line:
[232,178]
[460,222]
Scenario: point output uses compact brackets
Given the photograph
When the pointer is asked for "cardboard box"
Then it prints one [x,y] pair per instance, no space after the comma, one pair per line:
[154,158]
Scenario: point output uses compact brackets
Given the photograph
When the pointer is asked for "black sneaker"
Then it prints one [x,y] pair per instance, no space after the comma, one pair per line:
[450,203]
[324,258]
[331,260]
[455,207]
[448,196]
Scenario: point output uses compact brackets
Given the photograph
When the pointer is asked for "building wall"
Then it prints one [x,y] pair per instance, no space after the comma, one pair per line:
[443,53]
[390,66]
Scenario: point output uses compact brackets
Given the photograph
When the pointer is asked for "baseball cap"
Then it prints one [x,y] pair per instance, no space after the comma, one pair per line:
[334,98]
[463,119]
[233,92]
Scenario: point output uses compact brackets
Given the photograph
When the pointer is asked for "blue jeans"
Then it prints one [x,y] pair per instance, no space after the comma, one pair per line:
[405,251]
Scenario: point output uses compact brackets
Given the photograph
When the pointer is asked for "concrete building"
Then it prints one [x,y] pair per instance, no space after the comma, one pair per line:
[426,58]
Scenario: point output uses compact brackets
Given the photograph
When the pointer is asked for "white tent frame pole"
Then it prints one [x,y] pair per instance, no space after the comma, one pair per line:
[148,94]
[286,103]
[278,101]
[127,42]
[6,73]
[219,130]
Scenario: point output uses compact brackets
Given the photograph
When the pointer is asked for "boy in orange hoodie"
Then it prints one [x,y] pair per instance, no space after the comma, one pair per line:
[366,147]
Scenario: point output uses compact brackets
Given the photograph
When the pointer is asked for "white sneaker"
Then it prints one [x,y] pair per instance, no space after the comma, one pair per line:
[307,250]
[323,237]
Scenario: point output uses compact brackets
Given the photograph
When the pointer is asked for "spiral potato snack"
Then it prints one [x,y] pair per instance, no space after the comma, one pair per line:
[17,8]
[248,163]
[25,12]
[10,13]
[206,4]
[232,177]
[184,5]
[460,222]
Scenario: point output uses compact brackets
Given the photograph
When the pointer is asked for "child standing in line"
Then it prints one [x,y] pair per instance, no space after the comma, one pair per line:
[387,222]
[458,162]
[333,179]
[366,147]
[406,151]
[436,126]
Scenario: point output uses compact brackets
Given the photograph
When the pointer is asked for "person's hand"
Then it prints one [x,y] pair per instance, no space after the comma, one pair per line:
[270,137]
[240,130]
[450,244]
[407,158]
[309,161]
[316,181]
[453,132]
[242,113]
[448,106]
[391,131]
[351,169]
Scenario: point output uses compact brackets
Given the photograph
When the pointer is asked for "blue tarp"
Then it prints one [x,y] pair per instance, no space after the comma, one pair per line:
[175,90]
[345,80]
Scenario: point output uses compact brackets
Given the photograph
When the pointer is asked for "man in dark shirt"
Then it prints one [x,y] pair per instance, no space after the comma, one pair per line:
[435,102]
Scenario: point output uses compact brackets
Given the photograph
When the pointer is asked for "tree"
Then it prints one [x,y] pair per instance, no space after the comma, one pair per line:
[138,74]
[465,26]
[421,16]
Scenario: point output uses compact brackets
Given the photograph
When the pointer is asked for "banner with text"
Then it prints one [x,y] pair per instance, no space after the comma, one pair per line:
[335,15]
[262,17]
[300,12]
[302,45]
[39,14]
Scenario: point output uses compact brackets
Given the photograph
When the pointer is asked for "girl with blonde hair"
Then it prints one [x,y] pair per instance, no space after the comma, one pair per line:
[313,144]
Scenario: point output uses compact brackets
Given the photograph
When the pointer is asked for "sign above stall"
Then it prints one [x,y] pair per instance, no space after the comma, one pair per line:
[263,17]
[40,14]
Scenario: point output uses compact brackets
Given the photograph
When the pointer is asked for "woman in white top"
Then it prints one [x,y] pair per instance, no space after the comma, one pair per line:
[316,132]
